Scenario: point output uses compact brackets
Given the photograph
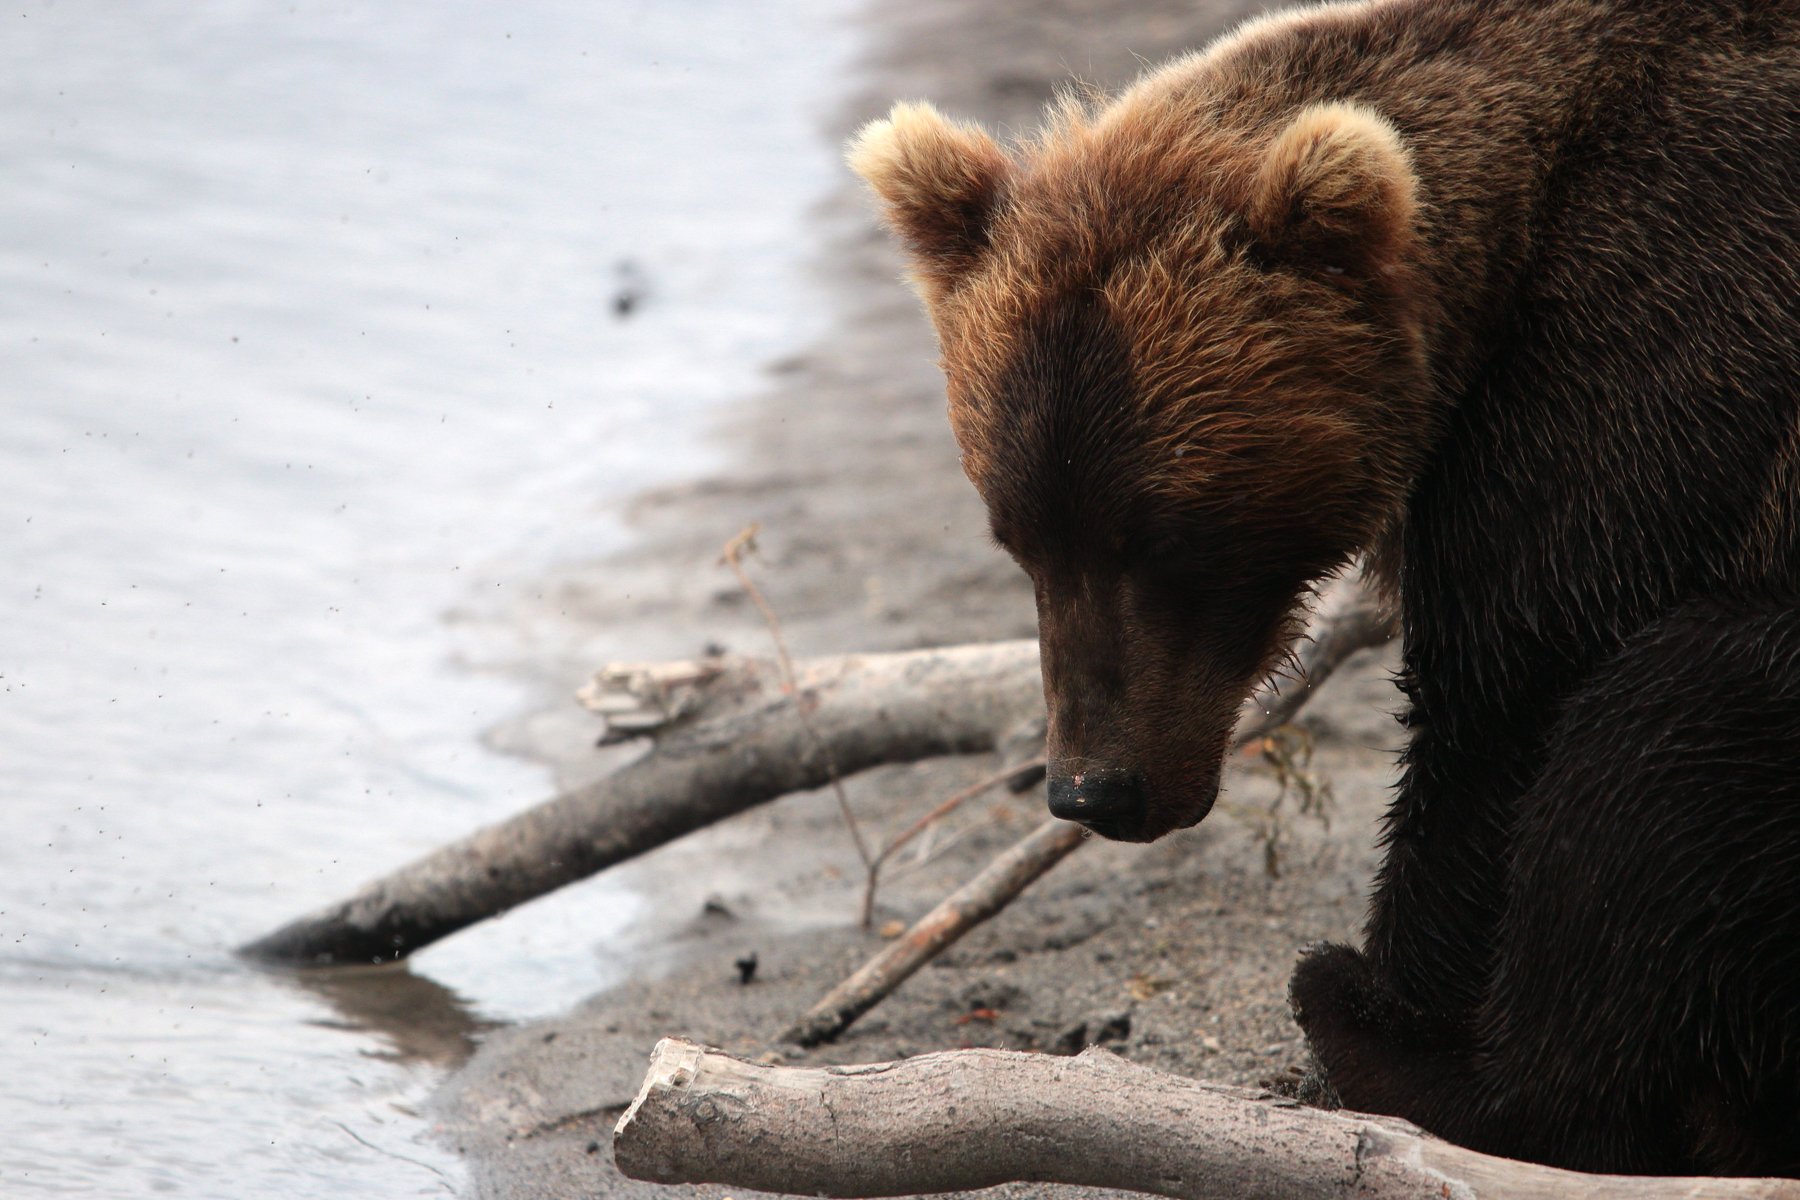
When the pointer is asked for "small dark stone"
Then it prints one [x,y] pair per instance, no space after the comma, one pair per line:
[629,291]
[746,967]
[593,1147]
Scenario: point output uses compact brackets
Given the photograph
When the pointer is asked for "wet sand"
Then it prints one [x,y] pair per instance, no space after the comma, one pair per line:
[1175,954]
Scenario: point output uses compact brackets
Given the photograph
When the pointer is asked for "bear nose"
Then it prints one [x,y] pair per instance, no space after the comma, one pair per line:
[1111,803]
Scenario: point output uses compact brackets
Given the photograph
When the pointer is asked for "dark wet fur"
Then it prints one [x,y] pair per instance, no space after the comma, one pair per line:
[1584,944]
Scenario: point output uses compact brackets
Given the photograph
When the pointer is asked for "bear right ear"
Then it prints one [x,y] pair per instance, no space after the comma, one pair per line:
[1336,194]
[938,180]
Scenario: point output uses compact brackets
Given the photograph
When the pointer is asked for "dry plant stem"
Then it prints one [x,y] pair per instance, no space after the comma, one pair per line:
[971,1119]
[733,557]
[925,822]
[746,743]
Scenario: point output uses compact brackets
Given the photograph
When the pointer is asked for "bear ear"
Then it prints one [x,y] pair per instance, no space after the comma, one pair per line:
[1335,195]
[938,180]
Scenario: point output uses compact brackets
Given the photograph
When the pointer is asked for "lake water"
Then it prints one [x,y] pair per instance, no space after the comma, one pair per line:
[310,332]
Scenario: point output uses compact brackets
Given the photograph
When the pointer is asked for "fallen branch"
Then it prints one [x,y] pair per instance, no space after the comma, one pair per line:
[956,914]
[741,741]
[1346,619]
[976,1118]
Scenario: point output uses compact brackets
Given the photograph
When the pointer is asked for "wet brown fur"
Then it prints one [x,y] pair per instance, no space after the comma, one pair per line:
[1503,295]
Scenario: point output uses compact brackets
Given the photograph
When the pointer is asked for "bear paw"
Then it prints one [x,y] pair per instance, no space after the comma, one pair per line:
[1335,991]
[1369,1041]
[1377,1051]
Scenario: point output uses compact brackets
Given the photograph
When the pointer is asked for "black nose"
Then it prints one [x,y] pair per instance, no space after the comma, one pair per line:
[1111,803]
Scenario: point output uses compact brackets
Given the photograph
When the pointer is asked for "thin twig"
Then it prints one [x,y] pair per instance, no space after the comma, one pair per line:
[925,822]
[933,847]
[744,542]
[733,557]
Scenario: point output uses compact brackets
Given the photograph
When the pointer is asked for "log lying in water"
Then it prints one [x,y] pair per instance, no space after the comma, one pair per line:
[971,1119]
[740,741]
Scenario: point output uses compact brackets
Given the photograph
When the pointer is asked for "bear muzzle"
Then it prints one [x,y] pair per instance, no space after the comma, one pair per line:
[1116,804]
[1109,802]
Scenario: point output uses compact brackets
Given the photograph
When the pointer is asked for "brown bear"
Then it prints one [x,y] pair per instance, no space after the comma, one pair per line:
[1504,297]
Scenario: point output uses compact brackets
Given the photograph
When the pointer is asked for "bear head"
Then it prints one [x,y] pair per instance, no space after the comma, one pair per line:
[1186,371]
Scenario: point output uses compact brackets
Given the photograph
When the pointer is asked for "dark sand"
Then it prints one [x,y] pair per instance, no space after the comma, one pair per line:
[1176,954]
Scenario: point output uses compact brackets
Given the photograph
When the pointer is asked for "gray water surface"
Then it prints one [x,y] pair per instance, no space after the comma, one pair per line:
[310,332]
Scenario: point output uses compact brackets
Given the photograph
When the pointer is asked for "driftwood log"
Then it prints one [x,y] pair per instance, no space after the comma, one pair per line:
[743,740]
[975,1118]
[1346,619]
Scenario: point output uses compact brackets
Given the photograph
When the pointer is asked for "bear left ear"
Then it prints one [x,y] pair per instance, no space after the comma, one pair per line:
[1335,194]
[938,180]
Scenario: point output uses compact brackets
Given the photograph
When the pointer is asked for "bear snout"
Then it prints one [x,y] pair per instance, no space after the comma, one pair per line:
[1109,802]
